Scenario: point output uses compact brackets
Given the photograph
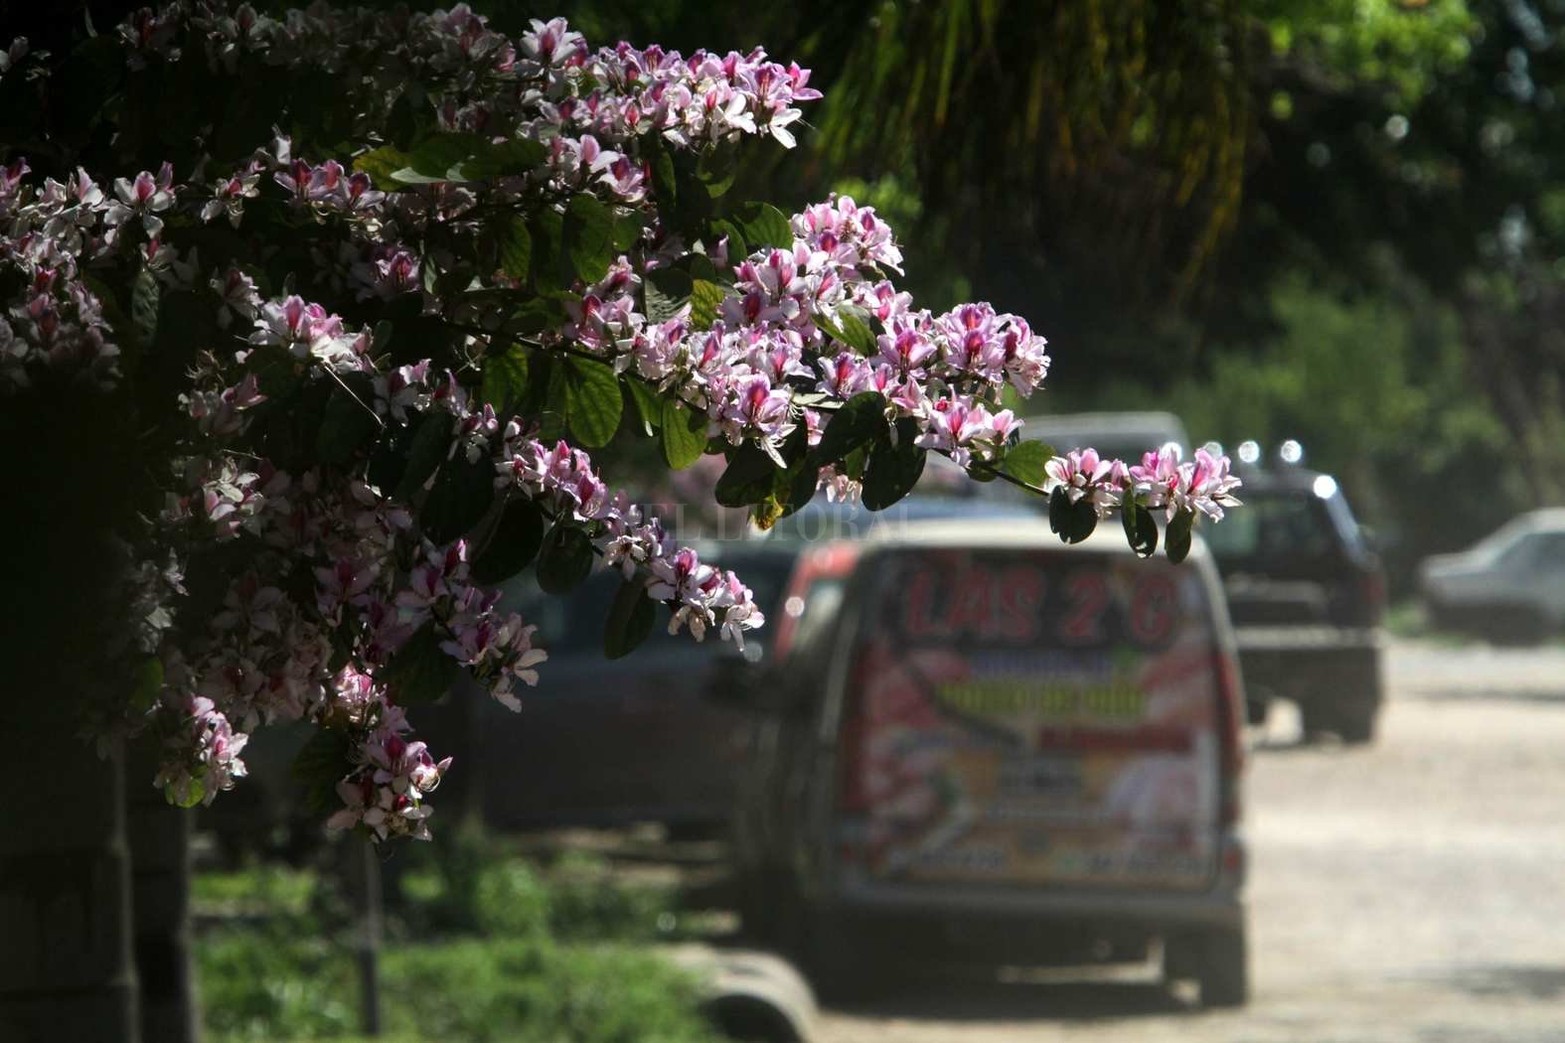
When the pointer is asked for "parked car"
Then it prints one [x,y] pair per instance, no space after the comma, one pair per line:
[976,743]
[608,742]
[1508,587]
[1307,594]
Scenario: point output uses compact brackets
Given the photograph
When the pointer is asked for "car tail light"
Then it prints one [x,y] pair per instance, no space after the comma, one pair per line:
[1230,728]
[1374,593]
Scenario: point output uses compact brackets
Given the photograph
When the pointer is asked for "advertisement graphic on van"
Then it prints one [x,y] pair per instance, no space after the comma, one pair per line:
[1045,718]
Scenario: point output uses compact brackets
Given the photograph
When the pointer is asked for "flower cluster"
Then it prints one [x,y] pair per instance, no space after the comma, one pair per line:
[392,774]
[1161,481]
[779,339]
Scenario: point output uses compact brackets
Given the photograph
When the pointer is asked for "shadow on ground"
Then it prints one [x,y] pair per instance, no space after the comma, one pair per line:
[1511,981]
[977,1002]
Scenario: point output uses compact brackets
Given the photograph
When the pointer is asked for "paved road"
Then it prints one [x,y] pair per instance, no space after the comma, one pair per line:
[1409,892]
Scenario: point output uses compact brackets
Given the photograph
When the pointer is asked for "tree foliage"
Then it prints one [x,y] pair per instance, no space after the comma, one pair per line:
[364,285]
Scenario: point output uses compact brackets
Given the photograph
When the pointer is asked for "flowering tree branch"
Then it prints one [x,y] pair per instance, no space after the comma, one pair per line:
[402,321]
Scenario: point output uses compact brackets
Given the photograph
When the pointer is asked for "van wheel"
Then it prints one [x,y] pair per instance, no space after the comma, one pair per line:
[1218,961]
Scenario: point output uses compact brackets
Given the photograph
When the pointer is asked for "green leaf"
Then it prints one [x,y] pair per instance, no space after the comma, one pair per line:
[318,765]
[513,544]
[737,247]
[490,159]
[505,379]
[796,486]
[1176,541]
[705,300]
[550,265]
[716,168]
[435,157]
[593,401]
[589,237]
[664,180]
[764,225]
[860,421]
[892,470]
[419,671]
[549,398]
[630,619]
[428,447]
[1073,522]
[627,230]
[516,249]
[1140,528]
[534,317]
[195,792]
[749,478]
[144,293]
[463,493]
[855,332]
[666,290]
[148,684]
[1027,462]
[684,434]
[648,405]
[382,164]
[349,422]
[564,559]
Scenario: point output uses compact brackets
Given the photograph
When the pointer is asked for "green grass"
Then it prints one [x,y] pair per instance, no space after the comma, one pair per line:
[485,947]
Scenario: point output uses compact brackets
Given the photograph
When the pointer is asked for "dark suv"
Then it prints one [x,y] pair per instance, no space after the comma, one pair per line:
[1306,594]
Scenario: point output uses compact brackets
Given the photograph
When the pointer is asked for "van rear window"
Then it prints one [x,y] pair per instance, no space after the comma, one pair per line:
[1034,717]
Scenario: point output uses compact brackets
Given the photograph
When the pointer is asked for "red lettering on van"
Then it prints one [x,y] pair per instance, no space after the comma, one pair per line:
[919,620]
[1154,607]
[1089,599]
[973,602]
[1021,596]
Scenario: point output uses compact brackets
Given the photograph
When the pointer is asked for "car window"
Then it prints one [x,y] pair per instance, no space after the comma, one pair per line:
[1288,525]
[1551,552]
[1535,552]
[815,609]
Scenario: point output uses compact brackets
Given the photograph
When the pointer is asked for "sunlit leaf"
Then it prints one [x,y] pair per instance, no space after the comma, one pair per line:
[683,433]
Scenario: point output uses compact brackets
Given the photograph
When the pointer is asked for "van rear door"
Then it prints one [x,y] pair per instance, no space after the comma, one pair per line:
[1036,716]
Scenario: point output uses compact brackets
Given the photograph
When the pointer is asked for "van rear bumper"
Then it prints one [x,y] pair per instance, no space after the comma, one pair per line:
[1060,928]
[1218,907]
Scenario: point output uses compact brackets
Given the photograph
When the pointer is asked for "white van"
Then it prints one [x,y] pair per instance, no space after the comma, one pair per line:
[976,744]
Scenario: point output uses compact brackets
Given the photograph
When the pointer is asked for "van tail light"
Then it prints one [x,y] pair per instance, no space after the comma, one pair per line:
[1230,727]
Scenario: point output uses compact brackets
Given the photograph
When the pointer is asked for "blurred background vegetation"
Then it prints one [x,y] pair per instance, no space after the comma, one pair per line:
[1336,220]
[1341,221]
[482,943]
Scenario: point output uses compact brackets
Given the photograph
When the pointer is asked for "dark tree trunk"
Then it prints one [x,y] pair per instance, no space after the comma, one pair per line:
[160,900]
[65,917]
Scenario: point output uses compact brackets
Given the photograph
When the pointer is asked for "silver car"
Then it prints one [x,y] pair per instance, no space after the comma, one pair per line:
[1508,587]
